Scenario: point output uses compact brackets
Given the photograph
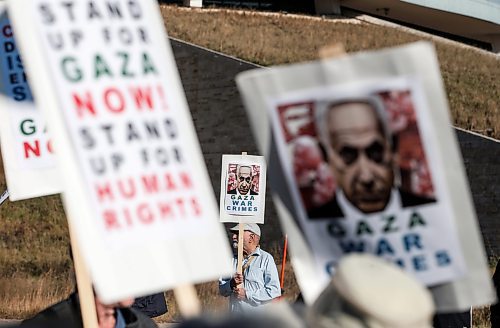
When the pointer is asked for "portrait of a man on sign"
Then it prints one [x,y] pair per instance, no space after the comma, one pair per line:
[242,188]
[363,156]
[361,177]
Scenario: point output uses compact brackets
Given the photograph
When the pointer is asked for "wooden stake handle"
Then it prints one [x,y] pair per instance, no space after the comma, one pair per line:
[239,267]
[187,300]
[241,231]
[84,283]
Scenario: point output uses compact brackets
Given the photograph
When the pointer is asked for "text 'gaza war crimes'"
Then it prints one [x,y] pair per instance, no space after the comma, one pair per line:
[401,238]
[242,203]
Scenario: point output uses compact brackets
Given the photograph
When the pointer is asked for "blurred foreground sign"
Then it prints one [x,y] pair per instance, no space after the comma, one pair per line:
[363,158]
[29,162]
[243,189]
[135,183]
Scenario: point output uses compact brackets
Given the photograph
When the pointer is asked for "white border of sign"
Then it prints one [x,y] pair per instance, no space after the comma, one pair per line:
[258,200]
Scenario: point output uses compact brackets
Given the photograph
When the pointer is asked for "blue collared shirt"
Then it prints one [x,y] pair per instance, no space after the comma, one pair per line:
[261,282]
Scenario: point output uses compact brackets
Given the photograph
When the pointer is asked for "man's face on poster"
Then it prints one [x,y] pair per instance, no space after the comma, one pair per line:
[360,155]
[244,179]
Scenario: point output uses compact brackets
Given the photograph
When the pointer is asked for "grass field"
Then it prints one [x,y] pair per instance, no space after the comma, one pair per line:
[35,269]
[470,77]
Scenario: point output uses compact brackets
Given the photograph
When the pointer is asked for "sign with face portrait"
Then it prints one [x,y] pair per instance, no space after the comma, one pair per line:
[243,189]
[135,184]
[361,157]
[27,151]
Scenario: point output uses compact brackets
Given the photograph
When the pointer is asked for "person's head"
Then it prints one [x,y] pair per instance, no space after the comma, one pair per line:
[358,147]
[244,179]
[251,237]
[370,292]
[106,313]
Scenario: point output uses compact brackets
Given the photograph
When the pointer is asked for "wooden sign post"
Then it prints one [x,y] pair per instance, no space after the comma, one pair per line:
[187,300]
[84,283]
[239,267]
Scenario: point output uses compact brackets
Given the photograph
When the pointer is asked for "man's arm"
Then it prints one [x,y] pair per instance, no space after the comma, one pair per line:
[232,283]
[225,288]
[271,288]
[226,285]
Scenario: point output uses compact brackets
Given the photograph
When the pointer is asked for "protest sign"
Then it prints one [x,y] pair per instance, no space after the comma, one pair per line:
[136,187]
[27,151]
[243,189]
[363,159]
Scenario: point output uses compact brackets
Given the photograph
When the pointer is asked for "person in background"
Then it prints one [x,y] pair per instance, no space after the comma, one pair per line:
[453,320]
[369,292]
[151,305]
[259,282]
[67,314]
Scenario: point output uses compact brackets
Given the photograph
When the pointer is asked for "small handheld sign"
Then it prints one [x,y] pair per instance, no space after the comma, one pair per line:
[243,189]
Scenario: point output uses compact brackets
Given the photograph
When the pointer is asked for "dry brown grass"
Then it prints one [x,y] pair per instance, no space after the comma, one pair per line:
[470,77]
[481,317]
[22,296]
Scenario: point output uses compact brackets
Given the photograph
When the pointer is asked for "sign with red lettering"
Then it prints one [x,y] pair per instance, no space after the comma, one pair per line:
[135,183]
[243,189]
[29,161]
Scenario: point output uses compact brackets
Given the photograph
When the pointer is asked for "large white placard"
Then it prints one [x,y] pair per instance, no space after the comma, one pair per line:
[363,159]
[243,189]
[27,151]
[135,183]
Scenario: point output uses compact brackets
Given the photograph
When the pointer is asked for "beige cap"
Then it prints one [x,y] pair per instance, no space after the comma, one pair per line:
[252,227]
[367,291]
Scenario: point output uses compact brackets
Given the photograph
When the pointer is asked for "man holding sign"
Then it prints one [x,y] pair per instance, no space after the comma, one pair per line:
[258,283]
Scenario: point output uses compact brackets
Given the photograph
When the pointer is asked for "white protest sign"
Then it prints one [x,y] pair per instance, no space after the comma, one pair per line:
[363,159]
[243,189]
[27,151]
[135,184]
